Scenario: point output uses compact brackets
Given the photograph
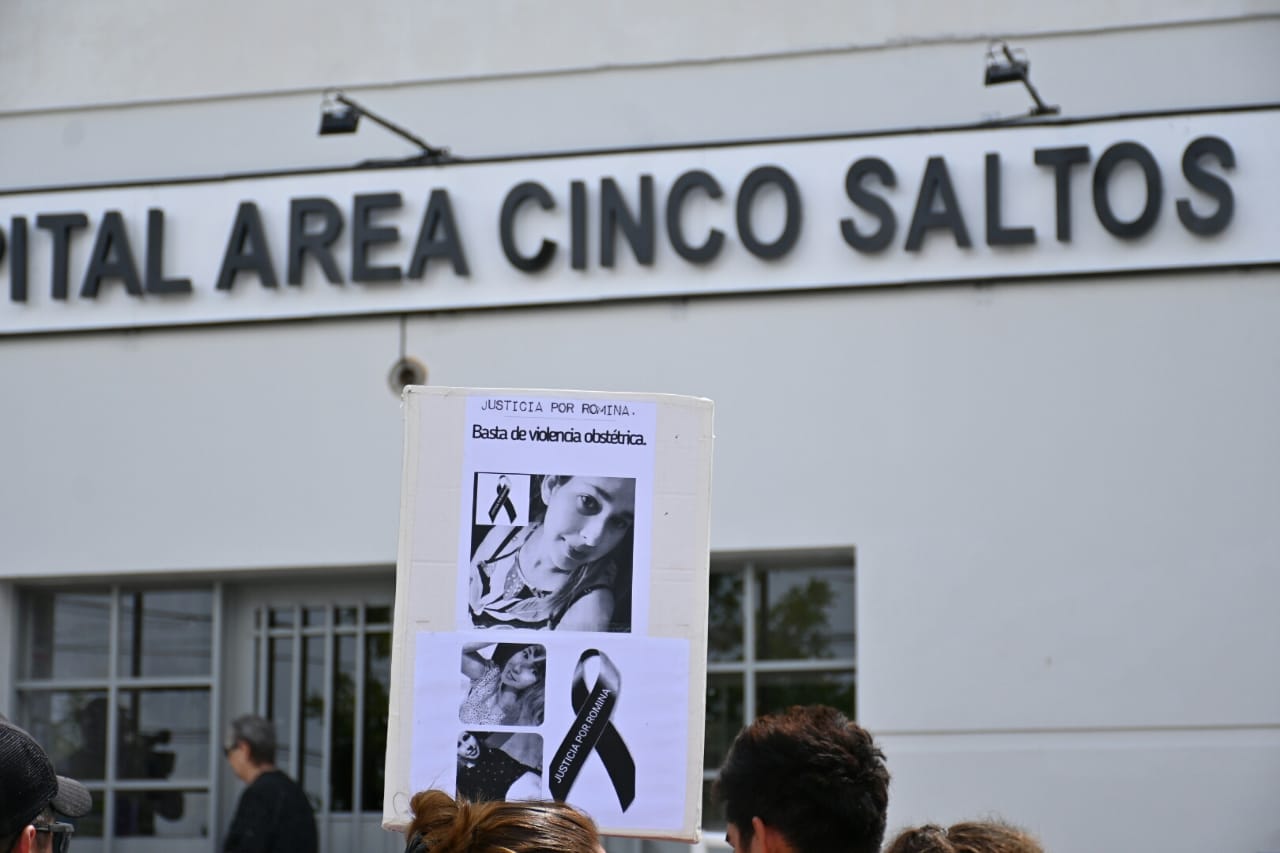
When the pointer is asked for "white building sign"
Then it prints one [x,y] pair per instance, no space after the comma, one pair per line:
[962,206]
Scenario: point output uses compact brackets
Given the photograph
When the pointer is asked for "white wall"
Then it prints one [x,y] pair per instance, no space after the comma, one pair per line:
[157,50]
[269,446]
[901,84]
[1063,495]
[1111,790]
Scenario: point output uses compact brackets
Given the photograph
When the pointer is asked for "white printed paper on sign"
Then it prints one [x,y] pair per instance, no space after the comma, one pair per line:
[557,519]
[551,604]
[603,727]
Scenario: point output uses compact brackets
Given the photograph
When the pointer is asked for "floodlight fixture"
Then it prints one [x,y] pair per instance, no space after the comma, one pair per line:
[1005,65]
[341,114]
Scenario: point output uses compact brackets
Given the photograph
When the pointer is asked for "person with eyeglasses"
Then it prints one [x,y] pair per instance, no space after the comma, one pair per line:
[52,835]
[32,797]
[273,814]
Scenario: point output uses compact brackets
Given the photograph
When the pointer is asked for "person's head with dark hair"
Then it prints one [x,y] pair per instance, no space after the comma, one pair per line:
[442,824]
[807,780]
[30,790]
[251,746]
[986,836]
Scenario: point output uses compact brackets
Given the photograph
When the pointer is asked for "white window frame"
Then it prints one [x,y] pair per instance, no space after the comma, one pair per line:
[747,565]
[113,684]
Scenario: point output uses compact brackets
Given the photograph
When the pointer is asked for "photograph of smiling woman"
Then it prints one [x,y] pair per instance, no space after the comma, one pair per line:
[570,568]
[505,687]
[499,766]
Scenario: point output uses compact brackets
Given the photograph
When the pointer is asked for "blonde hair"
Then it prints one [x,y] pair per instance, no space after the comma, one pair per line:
[528,709]
[442,824]
[991,836]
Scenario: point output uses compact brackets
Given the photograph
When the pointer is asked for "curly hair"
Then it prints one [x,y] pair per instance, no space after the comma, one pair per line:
[442,824]
[989,836]
[813,775]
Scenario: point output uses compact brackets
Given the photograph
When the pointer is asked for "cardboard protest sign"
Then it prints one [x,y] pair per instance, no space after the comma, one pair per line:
[551,604]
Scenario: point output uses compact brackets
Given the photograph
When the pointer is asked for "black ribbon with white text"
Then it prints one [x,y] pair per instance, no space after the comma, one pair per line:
[503,500]
[592,730]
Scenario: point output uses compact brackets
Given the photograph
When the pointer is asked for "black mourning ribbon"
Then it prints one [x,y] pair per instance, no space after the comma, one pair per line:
[592,730]
[503,501]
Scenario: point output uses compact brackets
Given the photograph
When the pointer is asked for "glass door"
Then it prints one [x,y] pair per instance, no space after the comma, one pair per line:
[315,658]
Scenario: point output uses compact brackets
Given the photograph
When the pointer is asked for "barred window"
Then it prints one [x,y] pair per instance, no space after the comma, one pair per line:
[117,684]
[322,674]
[781,633]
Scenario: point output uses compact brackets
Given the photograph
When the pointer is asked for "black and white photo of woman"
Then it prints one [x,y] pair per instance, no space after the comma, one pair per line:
[506,684]
[570,568]
[499,766]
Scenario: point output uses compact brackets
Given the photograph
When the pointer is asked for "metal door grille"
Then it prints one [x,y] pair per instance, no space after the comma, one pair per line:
[322,674]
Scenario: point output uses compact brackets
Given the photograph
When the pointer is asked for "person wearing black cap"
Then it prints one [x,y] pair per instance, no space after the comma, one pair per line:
[30,793]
